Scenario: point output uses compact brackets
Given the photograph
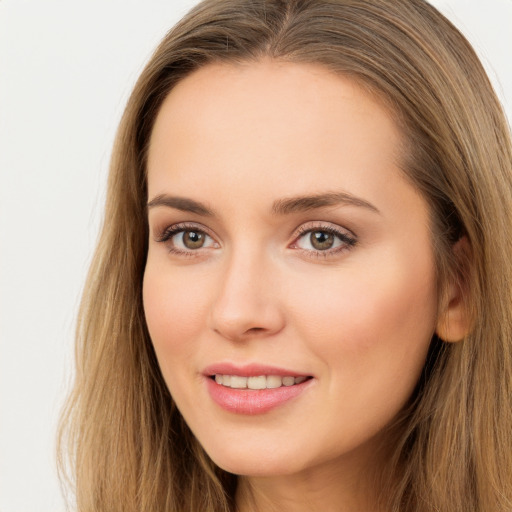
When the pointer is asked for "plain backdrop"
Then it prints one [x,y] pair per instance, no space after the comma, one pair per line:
[66,70]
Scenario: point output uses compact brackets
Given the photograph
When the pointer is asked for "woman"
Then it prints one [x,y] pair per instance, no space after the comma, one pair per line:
[301,299]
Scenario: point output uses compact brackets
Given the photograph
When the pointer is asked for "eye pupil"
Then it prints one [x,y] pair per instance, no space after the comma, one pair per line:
[321,240]
[193,239]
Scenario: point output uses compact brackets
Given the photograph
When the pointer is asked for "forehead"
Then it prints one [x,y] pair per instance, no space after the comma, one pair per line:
[297,127]
[263,90]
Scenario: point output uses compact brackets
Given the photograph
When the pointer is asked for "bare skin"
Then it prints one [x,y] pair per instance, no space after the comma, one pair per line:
[283,235]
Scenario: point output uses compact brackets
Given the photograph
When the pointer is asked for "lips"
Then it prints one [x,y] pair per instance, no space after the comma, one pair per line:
[253,389]
[257,382]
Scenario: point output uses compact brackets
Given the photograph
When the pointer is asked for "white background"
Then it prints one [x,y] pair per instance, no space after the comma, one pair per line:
[66,70]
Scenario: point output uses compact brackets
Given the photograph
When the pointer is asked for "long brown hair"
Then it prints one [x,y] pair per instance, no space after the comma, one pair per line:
[127,445]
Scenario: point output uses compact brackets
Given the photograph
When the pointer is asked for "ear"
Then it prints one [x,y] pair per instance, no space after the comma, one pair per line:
[454,321]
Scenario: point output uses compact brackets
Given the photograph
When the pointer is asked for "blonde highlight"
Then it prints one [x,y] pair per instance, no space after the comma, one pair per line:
[128,446]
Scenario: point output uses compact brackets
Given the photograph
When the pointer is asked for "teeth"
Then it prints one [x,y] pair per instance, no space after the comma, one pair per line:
[259,382]
[237,382]
[274,381]
[288,381]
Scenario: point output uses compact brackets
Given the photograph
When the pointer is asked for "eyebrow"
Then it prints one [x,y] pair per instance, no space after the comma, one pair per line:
[305,203]
[180,203]
[279,207]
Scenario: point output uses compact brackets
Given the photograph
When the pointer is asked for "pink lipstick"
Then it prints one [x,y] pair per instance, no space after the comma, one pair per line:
[253,389]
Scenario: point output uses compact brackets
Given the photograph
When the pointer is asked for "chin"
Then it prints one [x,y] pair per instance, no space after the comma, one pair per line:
[255,461]
[253,466]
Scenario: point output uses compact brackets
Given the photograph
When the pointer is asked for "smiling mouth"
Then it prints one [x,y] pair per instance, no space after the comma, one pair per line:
[257,382]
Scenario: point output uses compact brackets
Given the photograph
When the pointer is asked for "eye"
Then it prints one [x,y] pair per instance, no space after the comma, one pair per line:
[191,240]
[185,239]
[321,240]
[325,239]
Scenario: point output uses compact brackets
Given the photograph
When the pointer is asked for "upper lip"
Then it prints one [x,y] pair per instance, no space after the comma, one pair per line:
[250,370]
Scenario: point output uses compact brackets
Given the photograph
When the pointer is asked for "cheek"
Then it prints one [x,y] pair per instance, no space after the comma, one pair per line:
[372,329]
[363,309]
[175,311]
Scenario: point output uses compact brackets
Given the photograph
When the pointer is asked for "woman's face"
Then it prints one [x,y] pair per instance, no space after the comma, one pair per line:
[290,289]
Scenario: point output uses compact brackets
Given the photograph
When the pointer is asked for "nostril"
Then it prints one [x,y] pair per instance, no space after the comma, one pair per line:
[255,329]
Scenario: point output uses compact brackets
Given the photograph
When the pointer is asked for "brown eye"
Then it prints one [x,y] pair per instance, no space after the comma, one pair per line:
[328,240]
[193,239]
[321,240]
[185,240]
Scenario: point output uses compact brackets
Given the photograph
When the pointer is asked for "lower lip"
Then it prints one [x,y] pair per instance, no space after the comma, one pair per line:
[251,402]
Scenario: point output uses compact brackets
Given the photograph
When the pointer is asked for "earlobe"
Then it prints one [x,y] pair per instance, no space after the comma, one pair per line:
[452,325]
[454,321]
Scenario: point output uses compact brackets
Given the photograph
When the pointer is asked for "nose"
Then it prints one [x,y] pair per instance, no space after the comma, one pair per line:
[247,302]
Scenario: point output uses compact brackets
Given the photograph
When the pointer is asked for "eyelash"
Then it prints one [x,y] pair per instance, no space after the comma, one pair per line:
[182,227]
[348,241]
